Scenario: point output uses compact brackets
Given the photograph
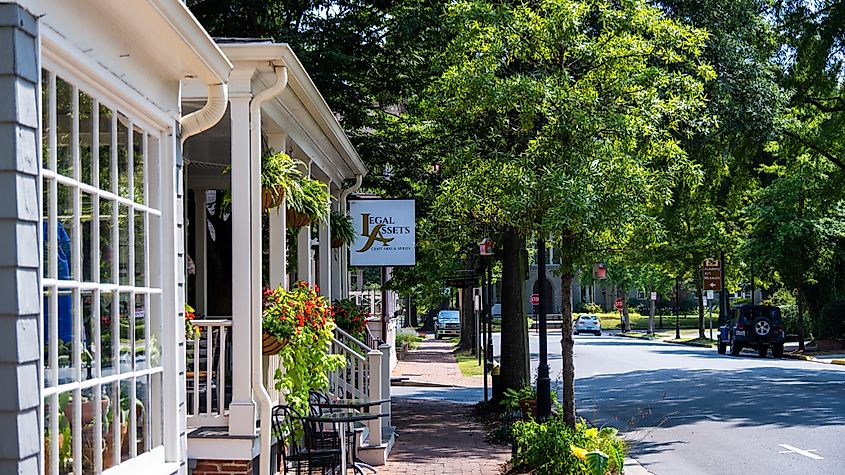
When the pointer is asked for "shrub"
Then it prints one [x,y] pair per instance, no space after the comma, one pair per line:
[789,314]
[407,335]
[832,320]
[554,448]
[590,308]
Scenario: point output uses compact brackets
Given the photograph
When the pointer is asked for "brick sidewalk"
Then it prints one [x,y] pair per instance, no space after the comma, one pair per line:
[439,438]
[434,363]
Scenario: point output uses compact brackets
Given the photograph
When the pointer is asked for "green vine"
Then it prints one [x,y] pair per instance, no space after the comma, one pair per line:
[341,227]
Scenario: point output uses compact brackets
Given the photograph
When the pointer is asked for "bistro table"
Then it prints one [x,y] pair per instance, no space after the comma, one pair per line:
[342,419]
[353,404]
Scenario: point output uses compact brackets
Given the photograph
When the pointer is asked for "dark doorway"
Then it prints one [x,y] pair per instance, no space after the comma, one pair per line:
[549,295]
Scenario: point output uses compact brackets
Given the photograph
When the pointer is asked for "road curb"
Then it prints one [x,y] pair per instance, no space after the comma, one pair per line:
[632,467]
[695,345]
[800,357]
[839,362]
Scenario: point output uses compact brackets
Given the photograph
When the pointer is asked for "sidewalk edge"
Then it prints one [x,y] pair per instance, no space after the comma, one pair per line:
[632,467]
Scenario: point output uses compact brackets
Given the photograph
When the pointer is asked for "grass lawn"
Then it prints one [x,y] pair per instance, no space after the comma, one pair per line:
[706,342]
[469,364]
[640,322]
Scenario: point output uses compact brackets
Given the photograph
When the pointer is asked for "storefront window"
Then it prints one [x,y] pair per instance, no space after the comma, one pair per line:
[102,364]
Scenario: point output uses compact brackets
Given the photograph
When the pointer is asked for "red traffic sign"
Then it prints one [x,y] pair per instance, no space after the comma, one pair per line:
[535,299]
[618,304]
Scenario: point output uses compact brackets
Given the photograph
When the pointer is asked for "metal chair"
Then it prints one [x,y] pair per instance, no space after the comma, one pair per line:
[301,449]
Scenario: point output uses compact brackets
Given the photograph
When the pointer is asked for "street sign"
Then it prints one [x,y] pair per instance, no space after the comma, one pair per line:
[618,304]
[712,274]
[654,295]
[599,271]
[485,247]
[710,295]
[535,299]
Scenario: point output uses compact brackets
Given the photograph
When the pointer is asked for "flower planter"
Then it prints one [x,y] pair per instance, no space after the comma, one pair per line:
[272,197]
[87,410]
[270,345]
[295,219]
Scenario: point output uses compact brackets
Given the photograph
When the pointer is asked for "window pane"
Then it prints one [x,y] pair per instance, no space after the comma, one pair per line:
[45,118]
[64,124]
[66,434]
[123,170]
[87,337]
[48,225]
[65,340]
[123,236]
[140,327]
[142,395]
[107,324]
[107,252]
[138,166]
[105,132]
[86,222]
[48,338]
[48,437]
[112,426]
[86,137]
[130,411]
[125,353]
[64,231]
[140,233]
[152,164]
[156,411]
[90,401]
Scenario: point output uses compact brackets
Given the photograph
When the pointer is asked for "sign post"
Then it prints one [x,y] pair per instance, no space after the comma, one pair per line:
[712,273]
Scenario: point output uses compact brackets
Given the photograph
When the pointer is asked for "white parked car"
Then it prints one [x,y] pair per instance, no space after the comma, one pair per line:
[588,324]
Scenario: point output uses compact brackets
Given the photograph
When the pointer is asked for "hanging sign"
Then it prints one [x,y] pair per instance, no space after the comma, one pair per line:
[712,271]
[385,233]
[485,247]
[599,271]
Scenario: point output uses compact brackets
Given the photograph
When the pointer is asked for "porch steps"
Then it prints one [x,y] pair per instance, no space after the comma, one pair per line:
[376,455]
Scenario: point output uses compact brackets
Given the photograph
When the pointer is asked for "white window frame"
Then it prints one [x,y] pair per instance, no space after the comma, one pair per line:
[154,201]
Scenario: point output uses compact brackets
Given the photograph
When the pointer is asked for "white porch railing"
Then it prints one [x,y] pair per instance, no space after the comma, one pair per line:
[207,375]
[363,377]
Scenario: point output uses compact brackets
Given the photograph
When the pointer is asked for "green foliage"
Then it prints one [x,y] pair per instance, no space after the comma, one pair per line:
[789,315]
[300,318]
[409,336]
[832,320]
[351,318]
[555,448]
[312,198]
[280,176]
[512,397]
[341,227]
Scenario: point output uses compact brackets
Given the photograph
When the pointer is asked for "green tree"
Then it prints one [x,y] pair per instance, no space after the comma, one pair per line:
[564,119]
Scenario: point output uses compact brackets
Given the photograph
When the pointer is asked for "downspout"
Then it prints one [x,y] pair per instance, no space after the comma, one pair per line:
[344,261]
[209,115]
[262,397]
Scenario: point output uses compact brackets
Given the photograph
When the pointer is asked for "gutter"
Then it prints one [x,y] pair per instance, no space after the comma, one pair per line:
[262,397]
[344,263]
[210,114]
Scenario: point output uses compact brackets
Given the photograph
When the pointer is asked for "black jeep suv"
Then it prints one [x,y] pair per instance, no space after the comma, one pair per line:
[755,326]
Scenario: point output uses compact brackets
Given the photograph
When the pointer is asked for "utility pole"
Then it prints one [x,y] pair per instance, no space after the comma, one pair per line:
[544,403]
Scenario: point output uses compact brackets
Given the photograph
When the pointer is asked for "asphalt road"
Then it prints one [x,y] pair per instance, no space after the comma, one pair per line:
[689,411]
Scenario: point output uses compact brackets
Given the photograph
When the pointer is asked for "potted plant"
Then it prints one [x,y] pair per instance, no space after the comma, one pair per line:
[523,400]
[287,312]
[280,175]
[343,232]
[350,318]
[308,203]
[192,331]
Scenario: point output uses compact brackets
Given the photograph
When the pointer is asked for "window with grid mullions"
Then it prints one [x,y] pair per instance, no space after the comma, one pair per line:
[101,294]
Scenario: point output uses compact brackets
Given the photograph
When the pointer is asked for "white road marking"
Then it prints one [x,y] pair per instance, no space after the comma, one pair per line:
[807,453]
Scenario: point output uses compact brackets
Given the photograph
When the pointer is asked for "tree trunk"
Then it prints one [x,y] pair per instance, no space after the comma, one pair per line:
[699,289]
[567,343]
[800,300]
[467,321]
[514,372]
[651,305]
[413,311]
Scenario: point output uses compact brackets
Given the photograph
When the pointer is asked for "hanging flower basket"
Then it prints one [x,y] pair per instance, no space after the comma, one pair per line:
[336,243]
[296,219]
[272,197]
[270,345]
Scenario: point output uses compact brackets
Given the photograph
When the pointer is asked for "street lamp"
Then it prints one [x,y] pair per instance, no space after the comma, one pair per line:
[677,309]
[544,384]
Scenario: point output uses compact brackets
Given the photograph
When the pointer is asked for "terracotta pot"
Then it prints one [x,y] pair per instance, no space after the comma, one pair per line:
[270,345]
[295,219]
[336,243]
[270,199]
[87,410]
[528,408]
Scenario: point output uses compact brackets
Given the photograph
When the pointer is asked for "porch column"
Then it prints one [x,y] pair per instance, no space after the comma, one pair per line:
[324,235]
[242,408]
[278,226]
[200,255]
[303,249]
